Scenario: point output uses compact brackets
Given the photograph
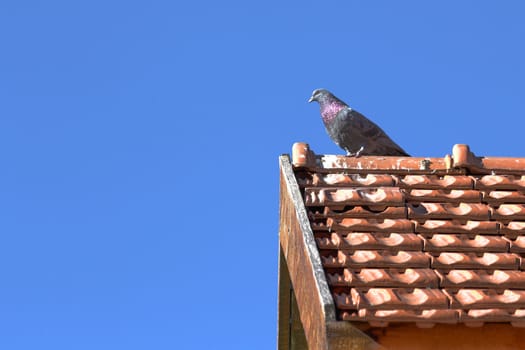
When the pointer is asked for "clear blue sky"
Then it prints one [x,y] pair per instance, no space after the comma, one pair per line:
[139,145]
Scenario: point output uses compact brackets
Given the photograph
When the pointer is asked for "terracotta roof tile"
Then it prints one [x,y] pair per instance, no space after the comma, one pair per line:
[390,196]
[450,196]
[342,180]
[483,279]
[424,240]
[517,317]
[469,211]
[369,211]
[513,229]
[463,243]
[436,182]
[456,226]
[517,245]
[377,258]
[370,225]
[449,260]
[500,182]
[377,241]
[487,299]
[382,318]
[508,212]
[409,278]
[392,298]
[500,197]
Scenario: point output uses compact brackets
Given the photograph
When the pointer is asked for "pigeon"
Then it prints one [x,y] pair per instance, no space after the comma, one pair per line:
[351,130]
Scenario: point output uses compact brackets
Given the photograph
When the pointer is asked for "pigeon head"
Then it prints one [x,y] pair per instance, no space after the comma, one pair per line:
[320,95]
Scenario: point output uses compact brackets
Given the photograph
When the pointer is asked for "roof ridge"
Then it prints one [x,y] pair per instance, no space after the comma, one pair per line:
[461,161]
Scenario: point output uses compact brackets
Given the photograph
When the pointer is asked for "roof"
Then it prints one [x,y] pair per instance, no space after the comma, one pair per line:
[412,240]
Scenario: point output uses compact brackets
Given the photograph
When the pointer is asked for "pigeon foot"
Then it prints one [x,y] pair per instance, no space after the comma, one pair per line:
[355,154]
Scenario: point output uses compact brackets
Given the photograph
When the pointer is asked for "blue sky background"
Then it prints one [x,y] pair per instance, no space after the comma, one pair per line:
[140,141]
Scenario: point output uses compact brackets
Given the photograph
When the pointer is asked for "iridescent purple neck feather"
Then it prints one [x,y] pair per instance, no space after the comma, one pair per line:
[328,103]
[329,110]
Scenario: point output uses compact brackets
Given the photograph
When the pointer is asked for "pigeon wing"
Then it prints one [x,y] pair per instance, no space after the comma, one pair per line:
[351,130]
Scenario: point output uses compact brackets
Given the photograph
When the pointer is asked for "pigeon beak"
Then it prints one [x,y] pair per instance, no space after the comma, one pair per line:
[311,99]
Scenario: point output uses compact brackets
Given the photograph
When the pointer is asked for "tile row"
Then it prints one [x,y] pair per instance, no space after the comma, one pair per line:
[426,278]
[435,242]
[398,197]
[416,259]
[429,317]
[428,298]
[424,211]
[487,182]
[510,229]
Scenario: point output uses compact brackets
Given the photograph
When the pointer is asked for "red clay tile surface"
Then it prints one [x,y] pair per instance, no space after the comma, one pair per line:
[424,240]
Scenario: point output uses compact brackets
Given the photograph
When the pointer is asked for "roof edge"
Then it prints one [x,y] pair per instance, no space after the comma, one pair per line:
[462,161]
[308,239]
[317,309]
